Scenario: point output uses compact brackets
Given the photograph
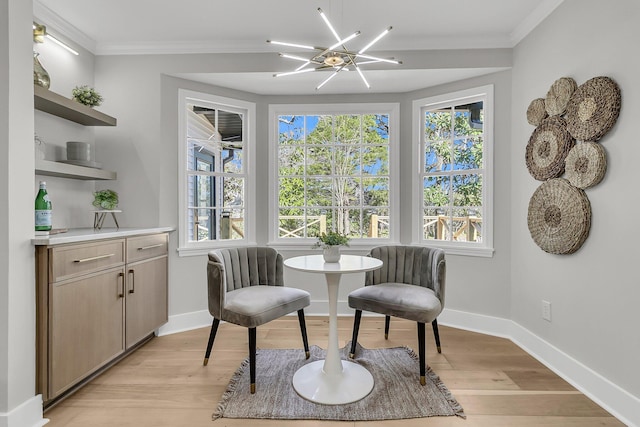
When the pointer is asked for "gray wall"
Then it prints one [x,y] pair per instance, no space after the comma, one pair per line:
[17,290]
[594,292]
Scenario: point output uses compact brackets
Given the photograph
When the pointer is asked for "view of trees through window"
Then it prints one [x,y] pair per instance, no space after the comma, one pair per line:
[333,174]
[453,172]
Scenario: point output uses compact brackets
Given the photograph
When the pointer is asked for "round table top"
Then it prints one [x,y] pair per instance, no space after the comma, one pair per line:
[347,264]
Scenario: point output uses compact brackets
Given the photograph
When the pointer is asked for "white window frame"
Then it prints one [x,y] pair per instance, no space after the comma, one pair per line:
[393,110]
[248,109]
[485,94]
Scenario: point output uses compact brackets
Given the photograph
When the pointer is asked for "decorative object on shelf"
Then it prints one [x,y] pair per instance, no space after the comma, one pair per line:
[86,95]
[330,243]
[99,216]
[593,109]
[40,75]
[43,209]
[336,57]
[78,150]
[558,96]
[547,149]
[586,164]
[40,149]
[536,112]
[559,217]
[105,199]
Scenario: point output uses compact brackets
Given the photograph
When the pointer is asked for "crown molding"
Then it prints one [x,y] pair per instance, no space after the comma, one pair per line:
[62,27]
[539,14]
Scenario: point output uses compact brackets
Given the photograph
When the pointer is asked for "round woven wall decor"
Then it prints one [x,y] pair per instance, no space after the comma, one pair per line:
[586,164]
[536,112]
[559,217]
[593,109]
[547,149]
[558,96]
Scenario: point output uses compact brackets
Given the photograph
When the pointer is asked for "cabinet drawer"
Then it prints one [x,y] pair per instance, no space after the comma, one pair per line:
[144,247]
[75,260]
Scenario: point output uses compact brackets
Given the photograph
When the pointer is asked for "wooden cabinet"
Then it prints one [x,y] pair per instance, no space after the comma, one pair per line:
[96,302]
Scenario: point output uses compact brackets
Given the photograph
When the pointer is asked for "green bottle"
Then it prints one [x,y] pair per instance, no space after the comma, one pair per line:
[43,209]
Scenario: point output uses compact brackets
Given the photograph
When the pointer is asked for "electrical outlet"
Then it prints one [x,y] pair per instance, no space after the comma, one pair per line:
[546,310]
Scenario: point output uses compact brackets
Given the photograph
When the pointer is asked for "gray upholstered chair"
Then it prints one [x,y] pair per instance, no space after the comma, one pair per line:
[410,285]
[246,287]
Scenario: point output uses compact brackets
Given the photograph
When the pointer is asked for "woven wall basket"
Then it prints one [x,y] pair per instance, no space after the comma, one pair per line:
[559,217]
[586,164]
[558,96]
[547,149]
[536,112]
[593,109]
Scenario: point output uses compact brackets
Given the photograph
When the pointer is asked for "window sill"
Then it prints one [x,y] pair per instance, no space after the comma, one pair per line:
[460,249]
[186,251]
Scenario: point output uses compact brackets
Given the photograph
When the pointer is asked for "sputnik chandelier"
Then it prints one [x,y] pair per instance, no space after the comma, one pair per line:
[335,57]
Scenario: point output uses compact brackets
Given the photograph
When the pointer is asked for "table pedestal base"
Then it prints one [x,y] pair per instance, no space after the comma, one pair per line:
[350,385]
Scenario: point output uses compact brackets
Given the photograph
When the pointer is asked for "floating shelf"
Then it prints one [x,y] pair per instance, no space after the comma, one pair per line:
[58,105]
[65,170]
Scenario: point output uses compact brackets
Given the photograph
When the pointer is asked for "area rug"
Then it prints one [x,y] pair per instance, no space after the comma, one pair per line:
[397,393]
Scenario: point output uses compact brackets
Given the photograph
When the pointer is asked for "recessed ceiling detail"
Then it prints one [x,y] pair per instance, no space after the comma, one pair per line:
[335,58]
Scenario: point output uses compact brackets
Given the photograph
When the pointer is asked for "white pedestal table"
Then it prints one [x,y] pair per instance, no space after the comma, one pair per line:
[333,381]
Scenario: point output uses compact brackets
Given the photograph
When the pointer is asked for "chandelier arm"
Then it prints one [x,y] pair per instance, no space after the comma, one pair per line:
[375,58]
[375,40]
[325,81]
[326,21]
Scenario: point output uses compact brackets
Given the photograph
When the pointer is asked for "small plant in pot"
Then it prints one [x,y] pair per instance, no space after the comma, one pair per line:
[105,199]
[330,243]
[86,95]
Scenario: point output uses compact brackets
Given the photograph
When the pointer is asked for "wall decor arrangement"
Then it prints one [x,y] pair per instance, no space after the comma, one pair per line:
[570,121]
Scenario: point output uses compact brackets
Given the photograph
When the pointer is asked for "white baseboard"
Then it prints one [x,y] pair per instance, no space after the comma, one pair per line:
[28,414]
[620,403]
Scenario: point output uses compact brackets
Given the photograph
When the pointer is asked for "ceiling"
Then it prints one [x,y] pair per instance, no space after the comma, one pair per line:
[108,27]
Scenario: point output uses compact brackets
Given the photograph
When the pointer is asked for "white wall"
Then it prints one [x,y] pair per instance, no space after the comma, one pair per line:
[594,292]
[18,406]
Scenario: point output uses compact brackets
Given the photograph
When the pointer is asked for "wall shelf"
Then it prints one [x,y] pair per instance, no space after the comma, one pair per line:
[65,170]
[58,105]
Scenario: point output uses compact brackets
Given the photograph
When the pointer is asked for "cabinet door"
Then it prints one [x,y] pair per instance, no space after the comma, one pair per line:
[86,326]
[146,300]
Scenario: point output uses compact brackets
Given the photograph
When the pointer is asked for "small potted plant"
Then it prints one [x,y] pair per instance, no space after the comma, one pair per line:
[105,199]
[86,95]
[330,243]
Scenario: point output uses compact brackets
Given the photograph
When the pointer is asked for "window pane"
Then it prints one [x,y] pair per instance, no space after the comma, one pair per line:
[375,128]
[201,224]
[318,221]
[467,153]
[347,191]
[347,129]
[319,191]
[291,160]
[375,160]
[319,129]
[436,191]
[319,160]
[233,192]
[437,125]
[375,191]
[347,160]
[232,158]
[291,223]
[467,190]
[353,227]
[232,224]
[437,224]
[291,129]
[467,226]
[291,192]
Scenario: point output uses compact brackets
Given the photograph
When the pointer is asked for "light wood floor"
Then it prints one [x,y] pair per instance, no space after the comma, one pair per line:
[165,384]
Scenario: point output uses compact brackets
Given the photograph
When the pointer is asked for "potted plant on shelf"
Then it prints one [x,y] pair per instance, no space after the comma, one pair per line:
[330,243]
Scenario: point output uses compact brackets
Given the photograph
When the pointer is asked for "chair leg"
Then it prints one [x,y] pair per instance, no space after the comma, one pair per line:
[387,321]
[212,336]
[434,324]
[421,352]
[252,359]
[303,329]
[354,338]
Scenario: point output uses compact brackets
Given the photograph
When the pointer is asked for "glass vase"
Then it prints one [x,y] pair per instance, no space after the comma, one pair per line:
[40,75]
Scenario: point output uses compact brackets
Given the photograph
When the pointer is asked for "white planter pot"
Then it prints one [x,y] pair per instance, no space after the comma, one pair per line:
[331,253]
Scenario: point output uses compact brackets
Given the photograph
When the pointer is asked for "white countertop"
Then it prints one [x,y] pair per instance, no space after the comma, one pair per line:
[75,235]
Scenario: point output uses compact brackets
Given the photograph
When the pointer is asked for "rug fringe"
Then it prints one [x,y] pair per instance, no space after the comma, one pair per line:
[231,388]
[459,411]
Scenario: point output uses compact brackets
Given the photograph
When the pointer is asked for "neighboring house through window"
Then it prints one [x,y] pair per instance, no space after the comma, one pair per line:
[454,179]
[334,167]
[216,173]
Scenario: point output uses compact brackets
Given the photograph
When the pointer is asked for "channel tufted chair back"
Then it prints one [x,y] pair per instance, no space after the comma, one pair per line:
[410,285]
[246,287]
